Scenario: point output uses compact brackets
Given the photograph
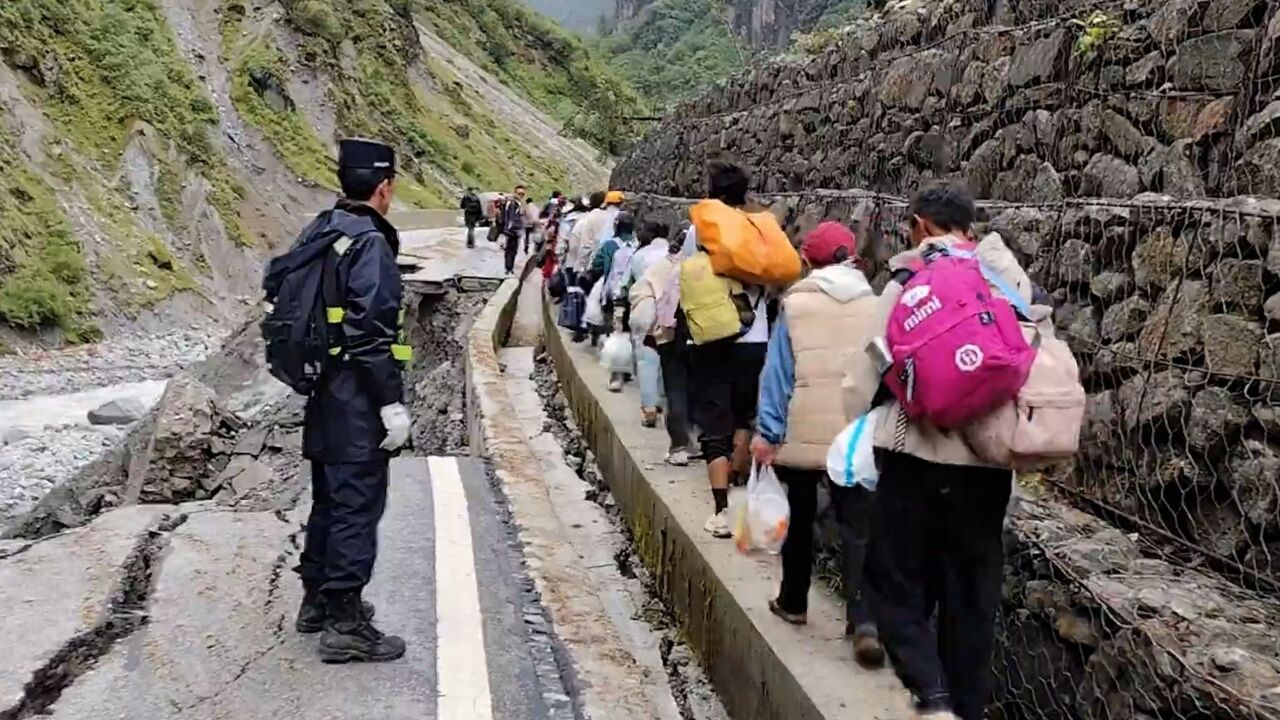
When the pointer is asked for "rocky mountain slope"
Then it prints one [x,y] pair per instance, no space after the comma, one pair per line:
[153,151]
[674,49]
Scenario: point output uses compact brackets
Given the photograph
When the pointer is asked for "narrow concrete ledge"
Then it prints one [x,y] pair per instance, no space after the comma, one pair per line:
[609,685]
[763,668]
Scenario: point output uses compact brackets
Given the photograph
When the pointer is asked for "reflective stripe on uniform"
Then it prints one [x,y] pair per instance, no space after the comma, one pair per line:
[335,314]
[403,353]
[341,245]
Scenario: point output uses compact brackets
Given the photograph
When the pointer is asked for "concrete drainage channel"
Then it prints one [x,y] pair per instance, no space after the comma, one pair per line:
[689,687]
[627,659]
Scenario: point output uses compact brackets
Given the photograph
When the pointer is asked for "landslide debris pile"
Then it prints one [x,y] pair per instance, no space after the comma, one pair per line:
[1113,145]
[191,446]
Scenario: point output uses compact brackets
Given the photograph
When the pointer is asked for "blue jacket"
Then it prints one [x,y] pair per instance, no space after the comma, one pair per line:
[777,382]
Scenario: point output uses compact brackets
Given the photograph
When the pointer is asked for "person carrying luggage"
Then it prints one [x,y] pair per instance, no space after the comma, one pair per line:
[825,319]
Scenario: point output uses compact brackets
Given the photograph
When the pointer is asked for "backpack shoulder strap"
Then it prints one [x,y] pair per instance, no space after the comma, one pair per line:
[997,281]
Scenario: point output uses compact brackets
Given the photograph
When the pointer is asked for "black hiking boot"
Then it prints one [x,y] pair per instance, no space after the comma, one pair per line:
[350,637]
[312,613]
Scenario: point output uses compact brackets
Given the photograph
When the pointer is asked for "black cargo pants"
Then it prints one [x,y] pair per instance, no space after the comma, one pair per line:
[937,545]
[347,500]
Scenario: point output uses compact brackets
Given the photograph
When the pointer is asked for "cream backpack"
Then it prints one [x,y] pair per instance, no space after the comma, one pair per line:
[1041,425]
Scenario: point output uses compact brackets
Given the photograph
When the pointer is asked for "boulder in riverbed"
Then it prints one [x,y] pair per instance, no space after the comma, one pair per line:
[121,411]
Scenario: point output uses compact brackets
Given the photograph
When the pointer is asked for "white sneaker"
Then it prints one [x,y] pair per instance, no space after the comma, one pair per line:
[718,525]
[679,458]
[615,384]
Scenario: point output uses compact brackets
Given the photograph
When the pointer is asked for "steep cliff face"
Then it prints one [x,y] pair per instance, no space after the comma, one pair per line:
[153,151]
[764,23]
[675,49]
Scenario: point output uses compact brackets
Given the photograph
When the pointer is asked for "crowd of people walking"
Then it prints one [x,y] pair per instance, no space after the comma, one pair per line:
[772,364]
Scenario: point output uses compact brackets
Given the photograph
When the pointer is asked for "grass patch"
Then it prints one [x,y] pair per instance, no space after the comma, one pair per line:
[140,270]
[100,65]
[261,66]
[42,272]
[552,67]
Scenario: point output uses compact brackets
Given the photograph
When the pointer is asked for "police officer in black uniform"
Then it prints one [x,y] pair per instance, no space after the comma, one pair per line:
[356,418]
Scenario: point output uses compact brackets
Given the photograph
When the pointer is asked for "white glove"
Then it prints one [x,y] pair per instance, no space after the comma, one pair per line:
[395,418]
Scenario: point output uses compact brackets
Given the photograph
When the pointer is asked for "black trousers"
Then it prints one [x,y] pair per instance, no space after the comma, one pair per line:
[936,545]
[726,381]
[674,357]
[852,506]
[510,247]
[471,233]
[347,501]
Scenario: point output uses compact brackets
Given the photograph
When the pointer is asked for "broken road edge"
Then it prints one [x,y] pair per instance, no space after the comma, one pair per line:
[760,671]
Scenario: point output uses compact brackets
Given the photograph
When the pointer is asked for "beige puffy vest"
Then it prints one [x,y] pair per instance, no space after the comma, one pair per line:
[827,337]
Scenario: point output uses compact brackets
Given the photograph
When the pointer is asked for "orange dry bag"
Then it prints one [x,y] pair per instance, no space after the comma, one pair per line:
[748,247]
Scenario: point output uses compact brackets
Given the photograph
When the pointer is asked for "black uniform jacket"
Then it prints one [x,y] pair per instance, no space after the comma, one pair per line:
[343,424]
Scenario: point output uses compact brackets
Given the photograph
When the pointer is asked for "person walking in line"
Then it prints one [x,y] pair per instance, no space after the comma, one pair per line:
[936,559]
[825,318]
[596,227]
[568,253]
[472,213]
[532,222]
[547,252]
[726,373]
[673,340]
[608,265]
[355,418]
[511,218]
[495,211]
[638,290]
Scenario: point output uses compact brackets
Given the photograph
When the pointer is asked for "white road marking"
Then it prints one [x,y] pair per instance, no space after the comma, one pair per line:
[461,666]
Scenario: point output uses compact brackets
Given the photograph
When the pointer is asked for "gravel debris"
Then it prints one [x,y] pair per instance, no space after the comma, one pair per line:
[30,467]
[123,359]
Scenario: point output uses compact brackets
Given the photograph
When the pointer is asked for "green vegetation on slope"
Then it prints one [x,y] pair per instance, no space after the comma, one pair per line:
[99,65]
[42,273]
[381,85]
[675,49]
[550,66]
[261,65]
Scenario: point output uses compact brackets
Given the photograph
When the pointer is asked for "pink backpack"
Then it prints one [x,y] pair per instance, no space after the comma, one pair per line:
[958,351]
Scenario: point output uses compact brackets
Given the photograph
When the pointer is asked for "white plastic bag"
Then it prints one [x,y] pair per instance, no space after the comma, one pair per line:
[852,457]
[594,312]
[764,519]
[617,355]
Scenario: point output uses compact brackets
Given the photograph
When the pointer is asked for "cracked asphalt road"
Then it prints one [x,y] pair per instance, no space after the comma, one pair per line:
[220,644]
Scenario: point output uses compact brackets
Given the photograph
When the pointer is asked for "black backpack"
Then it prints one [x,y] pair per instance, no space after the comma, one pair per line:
[300,285]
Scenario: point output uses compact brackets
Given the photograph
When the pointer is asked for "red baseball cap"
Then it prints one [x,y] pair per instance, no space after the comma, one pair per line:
[822,245]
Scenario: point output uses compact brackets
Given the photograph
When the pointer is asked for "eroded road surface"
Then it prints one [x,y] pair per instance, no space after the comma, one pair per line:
[220,641]
[186,610]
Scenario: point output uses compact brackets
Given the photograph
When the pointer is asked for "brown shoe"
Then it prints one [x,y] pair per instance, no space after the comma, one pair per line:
[868,651]
[649,417]
[789,617]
